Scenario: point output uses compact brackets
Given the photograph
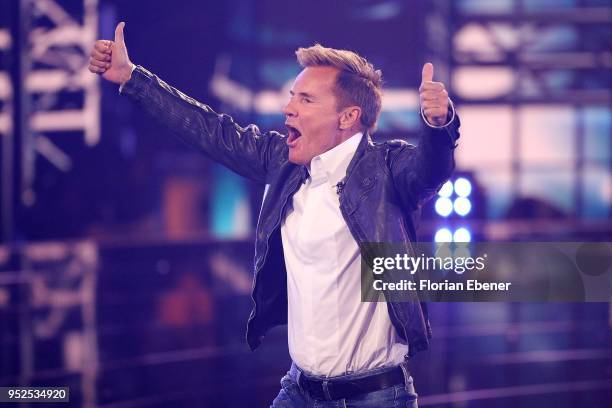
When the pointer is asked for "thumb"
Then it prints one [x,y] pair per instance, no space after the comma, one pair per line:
[428,72]
[119,33]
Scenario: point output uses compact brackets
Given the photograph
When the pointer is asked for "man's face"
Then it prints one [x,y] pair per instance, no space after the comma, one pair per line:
[311,114]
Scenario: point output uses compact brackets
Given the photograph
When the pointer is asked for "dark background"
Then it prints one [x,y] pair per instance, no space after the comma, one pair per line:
[127,275]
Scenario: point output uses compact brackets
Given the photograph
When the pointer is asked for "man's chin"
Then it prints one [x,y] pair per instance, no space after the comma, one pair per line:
[296,159]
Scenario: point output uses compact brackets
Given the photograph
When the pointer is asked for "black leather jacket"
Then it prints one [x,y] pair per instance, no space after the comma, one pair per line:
[385,185]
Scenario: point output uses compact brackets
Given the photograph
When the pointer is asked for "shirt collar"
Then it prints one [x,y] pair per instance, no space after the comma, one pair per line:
[331,166]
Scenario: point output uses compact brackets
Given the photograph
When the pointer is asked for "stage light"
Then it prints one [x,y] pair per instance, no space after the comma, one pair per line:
[463,187]
[462,206]
[462,235]
[446,190]
[444,206]
[443,235]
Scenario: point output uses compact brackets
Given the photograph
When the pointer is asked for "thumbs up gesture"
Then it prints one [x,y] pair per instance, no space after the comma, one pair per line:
[433,97]
[110,58]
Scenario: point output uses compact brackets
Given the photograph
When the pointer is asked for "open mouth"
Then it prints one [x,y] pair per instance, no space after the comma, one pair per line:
[293,136]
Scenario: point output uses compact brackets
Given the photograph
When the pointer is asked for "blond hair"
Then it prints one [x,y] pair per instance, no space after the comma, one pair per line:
[358,83]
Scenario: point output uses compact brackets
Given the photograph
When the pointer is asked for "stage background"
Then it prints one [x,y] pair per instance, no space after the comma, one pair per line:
[125,260]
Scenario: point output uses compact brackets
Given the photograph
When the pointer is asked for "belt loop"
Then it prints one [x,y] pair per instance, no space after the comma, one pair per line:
[404,367]
[326,390]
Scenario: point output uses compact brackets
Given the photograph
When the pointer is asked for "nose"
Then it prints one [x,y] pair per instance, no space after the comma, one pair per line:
[288,109]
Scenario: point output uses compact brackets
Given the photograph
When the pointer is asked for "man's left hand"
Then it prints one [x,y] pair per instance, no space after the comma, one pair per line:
[433,97]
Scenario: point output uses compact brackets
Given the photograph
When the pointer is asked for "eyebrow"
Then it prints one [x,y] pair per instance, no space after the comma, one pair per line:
[305,94]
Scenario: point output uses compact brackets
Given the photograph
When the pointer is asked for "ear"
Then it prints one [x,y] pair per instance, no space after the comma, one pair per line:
[349,117]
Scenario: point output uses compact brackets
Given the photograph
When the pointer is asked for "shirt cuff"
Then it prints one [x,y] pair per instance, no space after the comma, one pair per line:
[452,115]
[121,86]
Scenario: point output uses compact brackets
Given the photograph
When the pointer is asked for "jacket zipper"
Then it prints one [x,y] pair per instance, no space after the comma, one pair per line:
[265,255]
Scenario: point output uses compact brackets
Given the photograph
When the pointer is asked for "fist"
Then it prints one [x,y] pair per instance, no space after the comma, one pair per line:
[433,97]
[110,58]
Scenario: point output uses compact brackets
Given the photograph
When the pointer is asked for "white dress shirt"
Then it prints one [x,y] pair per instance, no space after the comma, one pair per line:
[331,331]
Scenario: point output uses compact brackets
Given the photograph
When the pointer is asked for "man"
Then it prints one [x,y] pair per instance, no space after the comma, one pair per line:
[328,189]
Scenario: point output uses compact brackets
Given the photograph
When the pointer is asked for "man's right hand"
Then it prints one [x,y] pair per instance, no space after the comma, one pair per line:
[110,58]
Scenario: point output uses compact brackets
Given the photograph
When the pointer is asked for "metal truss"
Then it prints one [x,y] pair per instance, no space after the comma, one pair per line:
[6,88]
[55,282]
[520,53]
[528,47]
[47,95]
[58,93]
[59,55]
[6,134]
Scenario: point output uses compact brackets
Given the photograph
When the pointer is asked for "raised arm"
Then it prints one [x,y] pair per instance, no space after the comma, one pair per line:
[419,171]
[246,150]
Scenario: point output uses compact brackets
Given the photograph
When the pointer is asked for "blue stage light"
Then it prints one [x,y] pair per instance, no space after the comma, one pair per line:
[463,187]
[443,235]
[444,206]
[462,235]
[462,206]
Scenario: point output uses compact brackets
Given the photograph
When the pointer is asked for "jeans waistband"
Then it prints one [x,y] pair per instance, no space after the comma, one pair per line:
[295,372]
[348,385]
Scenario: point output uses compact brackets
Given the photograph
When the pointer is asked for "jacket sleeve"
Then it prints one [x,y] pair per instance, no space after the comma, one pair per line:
[246,151]
[419,171]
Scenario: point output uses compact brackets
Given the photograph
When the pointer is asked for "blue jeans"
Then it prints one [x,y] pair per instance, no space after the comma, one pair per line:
[402,395]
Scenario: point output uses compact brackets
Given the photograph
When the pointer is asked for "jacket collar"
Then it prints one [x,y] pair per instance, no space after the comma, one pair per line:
[365,144]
